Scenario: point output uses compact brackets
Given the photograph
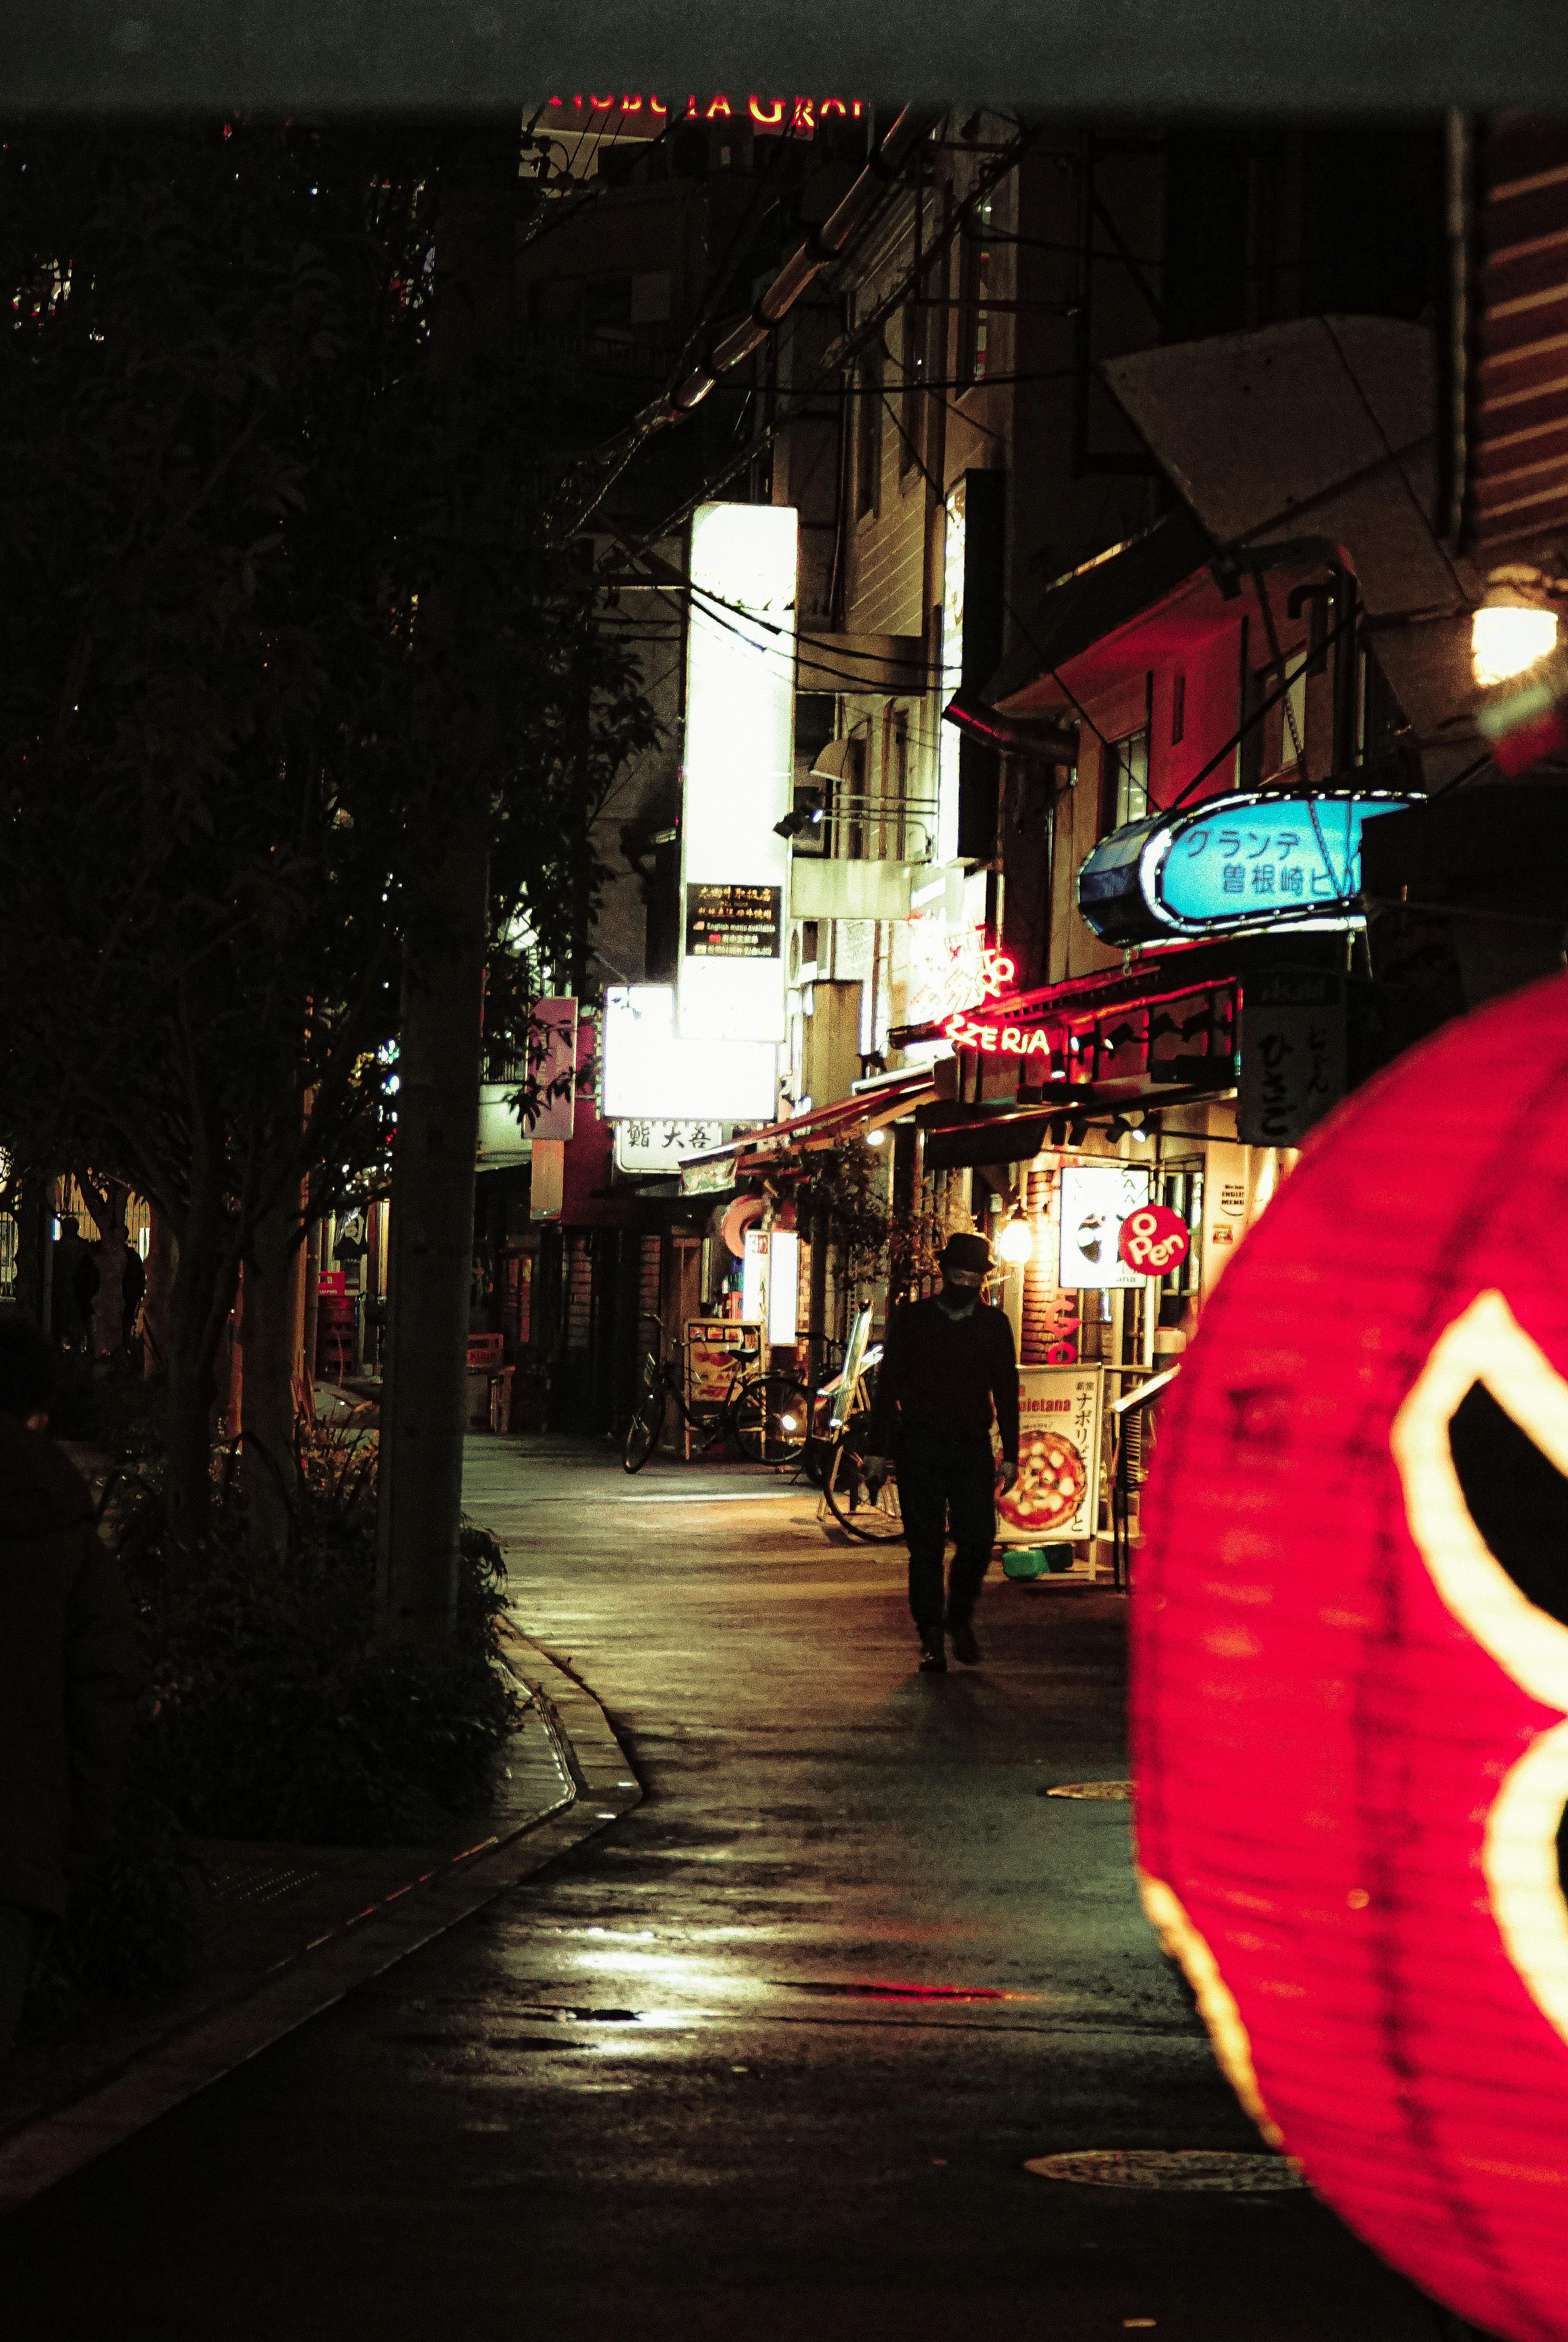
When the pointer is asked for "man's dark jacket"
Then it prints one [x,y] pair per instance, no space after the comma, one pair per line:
[940,1375]
[67,1673]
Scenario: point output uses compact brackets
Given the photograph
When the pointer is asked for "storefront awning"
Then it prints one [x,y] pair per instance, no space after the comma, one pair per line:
[872,1107]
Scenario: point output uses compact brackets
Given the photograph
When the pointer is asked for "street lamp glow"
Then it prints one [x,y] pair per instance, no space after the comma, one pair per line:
[1016,1241]
[1506,638]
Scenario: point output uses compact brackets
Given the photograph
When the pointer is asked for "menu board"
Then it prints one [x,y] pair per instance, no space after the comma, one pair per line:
[714,1348]
[1055,1499]
[733,922]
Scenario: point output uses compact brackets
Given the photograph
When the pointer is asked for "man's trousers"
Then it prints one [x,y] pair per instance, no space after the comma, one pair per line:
[943,1484]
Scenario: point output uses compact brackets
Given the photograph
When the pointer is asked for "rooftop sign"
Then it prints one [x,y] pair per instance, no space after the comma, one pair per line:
[1234,863]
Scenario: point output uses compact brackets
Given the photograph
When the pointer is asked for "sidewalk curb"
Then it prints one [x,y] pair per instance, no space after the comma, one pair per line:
[41,2152]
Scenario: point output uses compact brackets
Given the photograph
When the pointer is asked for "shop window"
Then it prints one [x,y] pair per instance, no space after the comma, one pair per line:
[1126,779]
[974,285]
[868,435]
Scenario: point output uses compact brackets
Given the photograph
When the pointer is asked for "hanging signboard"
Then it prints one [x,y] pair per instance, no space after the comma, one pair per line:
[651,1145]
[1232,863]
[738,775]
[1056,1496]
[549,1087]
[653,1073]
[1292,1055]
[1225,1201]
[1096,1200]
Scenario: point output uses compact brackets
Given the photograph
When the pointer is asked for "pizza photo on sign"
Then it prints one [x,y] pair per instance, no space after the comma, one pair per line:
[1051,1479]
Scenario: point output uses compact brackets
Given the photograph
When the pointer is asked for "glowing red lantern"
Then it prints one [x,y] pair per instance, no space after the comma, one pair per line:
[1350,1629]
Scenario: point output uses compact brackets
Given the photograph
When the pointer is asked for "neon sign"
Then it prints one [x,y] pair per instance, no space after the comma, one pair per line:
[800,115]
[1235,862]
[971,1029]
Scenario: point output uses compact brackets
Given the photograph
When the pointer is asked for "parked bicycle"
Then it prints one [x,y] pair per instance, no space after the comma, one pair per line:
[872,1516]
[766,1415]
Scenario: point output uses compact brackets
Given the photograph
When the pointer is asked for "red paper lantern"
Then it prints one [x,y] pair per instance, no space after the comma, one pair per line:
[1350,1641]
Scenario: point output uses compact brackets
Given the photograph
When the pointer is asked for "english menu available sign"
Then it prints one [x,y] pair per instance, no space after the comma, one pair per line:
[733,922]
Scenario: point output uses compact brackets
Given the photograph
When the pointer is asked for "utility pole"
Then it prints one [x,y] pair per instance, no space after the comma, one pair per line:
[424,1390]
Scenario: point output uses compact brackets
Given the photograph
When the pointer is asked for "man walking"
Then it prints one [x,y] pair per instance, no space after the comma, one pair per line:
[946,1364]
[68,1669]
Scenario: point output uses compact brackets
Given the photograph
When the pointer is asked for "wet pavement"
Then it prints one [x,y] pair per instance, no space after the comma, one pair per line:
[769,2055]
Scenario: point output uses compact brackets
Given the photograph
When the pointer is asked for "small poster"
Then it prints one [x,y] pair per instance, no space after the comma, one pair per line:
[715,1347]
[1055,1499]
[733,922]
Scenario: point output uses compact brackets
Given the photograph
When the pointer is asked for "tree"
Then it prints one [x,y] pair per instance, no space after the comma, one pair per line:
[237,494]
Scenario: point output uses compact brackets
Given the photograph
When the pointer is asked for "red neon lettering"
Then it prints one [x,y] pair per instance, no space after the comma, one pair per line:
[826,105]
[656,107]
[719,106]
[631,106]
[857,108]
[692,109]
[555,101]
[1011,1042]
[801,118]
[766,121]
[598,103]
[988,1039]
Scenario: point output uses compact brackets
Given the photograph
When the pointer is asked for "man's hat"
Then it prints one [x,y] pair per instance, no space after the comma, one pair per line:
[966,1252]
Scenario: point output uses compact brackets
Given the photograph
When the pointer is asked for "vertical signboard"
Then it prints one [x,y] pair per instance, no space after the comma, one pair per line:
[1292,1055]
[948,737]
[549,1088]
[739,772]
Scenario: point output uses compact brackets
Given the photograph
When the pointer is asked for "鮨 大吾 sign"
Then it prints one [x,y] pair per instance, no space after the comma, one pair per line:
[1292,1055]
[1055,1499]
[1241,861]
[733,922]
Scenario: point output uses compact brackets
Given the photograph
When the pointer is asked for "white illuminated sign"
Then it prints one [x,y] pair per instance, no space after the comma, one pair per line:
[1096,1199]
[783,1284]
[955,536]
[654,1073]
[739,772]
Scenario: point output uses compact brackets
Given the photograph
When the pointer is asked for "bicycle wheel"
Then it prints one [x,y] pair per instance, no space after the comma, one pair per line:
[643,1435]
[772,1415]
[873,1519]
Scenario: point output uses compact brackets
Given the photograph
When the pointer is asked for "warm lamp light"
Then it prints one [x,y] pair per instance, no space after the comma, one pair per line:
[1016,1241]
[877,1138]
[1507,637]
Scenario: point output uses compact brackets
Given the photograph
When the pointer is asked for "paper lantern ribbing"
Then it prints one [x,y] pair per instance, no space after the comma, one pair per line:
[1350,1644]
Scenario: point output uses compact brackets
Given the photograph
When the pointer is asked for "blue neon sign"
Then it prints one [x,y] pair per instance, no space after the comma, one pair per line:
[1240,861]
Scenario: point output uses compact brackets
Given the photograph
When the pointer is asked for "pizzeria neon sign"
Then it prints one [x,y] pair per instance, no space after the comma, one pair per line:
[970,1028]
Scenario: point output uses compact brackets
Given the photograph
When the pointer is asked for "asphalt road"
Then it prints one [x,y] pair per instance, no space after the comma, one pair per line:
[717,2075]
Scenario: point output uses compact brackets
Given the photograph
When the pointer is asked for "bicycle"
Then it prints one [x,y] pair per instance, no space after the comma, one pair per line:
[766,1415]
[870,1515]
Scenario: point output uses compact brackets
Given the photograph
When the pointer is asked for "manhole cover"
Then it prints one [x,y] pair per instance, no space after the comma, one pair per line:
[1194,2170]
[1119,1791]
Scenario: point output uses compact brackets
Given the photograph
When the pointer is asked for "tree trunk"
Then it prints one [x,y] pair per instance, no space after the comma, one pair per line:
[424,1404]
[272,1290]
[310,1331]
[200,1299]
[424,1391]
[157,1308]
[109,1302]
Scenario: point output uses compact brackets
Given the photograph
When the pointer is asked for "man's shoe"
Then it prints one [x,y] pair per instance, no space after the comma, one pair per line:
[933,1653]
[965,1649]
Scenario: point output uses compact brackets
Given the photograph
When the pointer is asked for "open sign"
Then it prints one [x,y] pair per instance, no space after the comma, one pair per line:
[1155,1240]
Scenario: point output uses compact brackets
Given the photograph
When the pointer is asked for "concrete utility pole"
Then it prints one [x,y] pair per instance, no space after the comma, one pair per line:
[424,1389]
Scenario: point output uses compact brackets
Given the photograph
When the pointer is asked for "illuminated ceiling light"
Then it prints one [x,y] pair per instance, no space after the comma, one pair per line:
[1508,636]
[1016,1242]
[877,1138]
